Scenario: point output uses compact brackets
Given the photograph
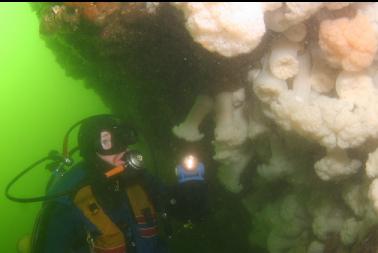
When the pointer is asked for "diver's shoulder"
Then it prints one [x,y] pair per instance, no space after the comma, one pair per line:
[75,176]
[78,171]
[69,181]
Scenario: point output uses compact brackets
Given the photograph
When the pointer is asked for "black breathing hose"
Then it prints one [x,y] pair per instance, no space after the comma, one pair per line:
[32,199]
[64,160]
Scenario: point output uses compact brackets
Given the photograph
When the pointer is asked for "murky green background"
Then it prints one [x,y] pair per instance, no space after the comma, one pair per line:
[38,104]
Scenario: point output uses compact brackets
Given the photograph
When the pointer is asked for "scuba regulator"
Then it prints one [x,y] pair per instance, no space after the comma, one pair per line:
[133,164]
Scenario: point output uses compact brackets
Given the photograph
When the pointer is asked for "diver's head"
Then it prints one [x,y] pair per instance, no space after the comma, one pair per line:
[103,140]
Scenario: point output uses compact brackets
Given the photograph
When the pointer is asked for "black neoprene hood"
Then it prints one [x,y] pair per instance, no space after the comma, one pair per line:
[105,135]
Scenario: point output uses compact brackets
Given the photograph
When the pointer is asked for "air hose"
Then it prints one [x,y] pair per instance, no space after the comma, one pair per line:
[60,163]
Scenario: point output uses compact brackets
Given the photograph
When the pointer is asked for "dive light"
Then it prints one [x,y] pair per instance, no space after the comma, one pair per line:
[190,170]
[190,163]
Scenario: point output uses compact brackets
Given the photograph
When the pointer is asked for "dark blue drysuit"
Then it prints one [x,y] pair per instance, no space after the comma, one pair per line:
[63,228]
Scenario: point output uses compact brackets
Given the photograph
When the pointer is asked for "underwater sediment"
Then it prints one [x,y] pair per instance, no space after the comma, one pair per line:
[279,99]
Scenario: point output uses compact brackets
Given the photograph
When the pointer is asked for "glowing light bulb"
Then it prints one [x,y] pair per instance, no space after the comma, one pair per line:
[190,162]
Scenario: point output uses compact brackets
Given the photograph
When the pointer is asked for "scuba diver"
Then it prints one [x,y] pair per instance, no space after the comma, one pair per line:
[108,202]
[114,205]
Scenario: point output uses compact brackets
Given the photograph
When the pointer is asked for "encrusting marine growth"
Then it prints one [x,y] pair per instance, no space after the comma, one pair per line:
[299,77]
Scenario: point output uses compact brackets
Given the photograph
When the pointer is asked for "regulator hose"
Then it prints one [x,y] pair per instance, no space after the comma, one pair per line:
[31,199]
[49,157]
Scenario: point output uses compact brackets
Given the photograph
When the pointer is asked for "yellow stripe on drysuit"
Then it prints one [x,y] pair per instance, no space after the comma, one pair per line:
[111,236]
[139,199]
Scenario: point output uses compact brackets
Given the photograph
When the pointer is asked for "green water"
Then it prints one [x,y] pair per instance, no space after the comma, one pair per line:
[40,101]
[38,104]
